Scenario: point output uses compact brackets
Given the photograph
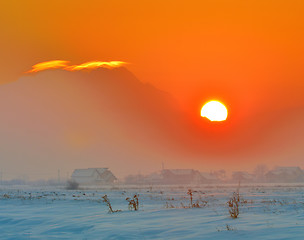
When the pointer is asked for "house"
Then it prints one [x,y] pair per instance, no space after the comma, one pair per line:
[93,176]
[242,177]
[206,177]
[285,174]
[135,179]
[180,176]
[154,178]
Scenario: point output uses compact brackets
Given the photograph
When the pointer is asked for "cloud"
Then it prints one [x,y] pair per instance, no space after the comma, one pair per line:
[95,64]
[62,64]
[48,65]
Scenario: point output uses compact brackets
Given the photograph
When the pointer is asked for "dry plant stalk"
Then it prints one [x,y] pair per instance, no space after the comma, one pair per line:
[190,193]
[193,205]
[107,201]
[233,205]
[133,203]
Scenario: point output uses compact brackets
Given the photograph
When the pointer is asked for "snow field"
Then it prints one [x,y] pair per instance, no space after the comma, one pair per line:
[266,212]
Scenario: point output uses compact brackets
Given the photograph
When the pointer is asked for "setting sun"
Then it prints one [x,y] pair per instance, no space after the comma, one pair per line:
[214,111]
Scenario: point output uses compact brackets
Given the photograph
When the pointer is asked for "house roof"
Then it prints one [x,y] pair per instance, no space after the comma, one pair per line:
[286,170]
[208,175]
[154,176]
[180,171]
[243,174]
[87,172]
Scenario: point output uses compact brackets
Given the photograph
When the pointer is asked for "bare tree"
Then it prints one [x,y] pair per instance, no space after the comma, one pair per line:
[260,171]
[220,174]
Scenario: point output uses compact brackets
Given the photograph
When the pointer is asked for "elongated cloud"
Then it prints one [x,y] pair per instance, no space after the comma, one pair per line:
[62,64]
[48,65]
[96,64]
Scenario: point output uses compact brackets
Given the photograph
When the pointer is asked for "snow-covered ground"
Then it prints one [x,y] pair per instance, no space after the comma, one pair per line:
[266,212]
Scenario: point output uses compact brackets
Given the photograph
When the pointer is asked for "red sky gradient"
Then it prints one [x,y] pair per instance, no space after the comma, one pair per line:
[247,54]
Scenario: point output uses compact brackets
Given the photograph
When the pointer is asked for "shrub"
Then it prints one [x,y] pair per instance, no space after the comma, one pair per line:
[72,185]
[169,205]
[229,228]
[190,193]
[233,205]
[196,204]
[133,203]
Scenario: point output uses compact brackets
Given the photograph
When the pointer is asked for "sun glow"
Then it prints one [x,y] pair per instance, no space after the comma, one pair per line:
[214,111]
[61,64]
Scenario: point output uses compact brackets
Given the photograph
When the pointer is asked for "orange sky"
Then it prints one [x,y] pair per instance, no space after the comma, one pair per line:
[185,47]
[248,54]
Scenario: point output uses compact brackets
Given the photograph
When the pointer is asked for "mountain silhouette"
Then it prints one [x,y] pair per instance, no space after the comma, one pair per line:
[80,119]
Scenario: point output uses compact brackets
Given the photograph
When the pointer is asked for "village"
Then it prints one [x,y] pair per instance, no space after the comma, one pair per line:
[104,176]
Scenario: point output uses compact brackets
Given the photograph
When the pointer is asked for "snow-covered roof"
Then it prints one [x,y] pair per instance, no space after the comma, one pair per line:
[180,171]
[208,175]
[243,174]
[286,170]
[154,176]
[87,172]
[101,170]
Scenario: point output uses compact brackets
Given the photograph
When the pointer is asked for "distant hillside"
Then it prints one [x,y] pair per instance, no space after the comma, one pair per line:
[97,118]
